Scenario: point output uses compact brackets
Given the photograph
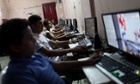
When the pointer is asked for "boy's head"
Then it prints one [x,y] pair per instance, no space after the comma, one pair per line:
[36,23]
[47,24]
[16,38]
[52,20]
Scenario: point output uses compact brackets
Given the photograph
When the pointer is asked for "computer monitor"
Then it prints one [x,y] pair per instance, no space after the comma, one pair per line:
[90,27]
[66,22]
[61,22]
[69,22]
[75,25]
[123,31]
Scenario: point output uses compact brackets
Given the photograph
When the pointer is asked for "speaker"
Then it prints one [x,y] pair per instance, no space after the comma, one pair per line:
[97,42]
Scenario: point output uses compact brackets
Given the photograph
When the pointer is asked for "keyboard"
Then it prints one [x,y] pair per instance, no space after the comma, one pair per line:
[119,70]
[55,59]
[85,41]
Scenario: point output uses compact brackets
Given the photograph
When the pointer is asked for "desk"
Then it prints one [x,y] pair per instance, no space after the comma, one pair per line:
[94,75]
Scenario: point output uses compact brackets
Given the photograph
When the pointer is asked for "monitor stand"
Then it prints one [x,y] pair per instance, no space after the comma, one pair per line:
[97,42]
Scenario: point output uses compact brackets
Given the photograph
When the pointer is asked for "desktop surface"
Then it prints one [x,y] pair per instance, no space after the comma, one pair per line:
[113,68]
[119,69]
[122,31]
[94,75]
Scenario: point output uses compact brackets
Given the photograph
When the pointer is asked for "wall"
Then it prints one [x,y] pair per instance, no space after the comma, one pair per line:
[78,9]
[60,11]
[22,8]
[3,10]
[69,9]
[86,12]
[105,6]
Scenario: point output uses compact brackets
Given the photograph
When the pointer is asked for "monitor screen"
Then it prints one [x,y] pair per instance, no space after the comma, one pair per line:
[123,31]
[90,26]
[110,30]
[61,22]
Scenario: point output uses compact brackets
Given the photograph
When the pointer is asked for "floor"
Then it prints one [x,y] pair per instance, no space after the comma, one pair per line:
[5,59]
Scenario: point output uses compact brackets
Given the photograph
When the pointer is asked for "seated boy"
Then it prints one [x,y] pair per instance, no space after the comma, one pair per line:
[26,66]
[59,35]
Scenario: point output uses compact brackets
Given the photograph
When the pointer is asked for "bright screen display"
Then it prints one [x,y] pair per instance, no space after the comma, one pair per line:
[123,31]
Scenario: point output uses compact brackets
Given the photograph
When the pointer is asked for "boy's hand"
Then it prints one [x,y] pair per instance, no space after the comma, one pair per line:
[93,59]
[80,37]
[79,49]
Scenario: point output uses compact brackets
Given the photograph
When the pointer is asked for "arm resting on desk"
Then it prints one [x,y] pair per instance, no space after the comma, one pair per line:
[66,65]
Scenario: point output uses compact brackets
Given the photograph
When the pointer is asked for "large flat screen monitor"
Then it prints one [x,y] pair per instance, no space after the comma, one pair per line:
[90,27]
[123,31]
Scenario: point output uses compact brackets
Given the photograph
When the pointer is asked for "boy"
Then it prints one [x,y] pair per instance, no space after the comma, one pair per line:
[26,66]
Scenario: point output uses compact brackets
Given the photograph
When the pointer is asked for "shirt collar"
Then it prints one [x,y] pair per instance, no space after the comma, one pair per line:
[22,60]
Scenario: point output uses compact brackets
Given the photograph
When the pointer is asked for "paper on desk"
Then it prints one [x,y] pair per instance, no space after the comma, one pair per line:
[81,59]
[73,45]
[94,75]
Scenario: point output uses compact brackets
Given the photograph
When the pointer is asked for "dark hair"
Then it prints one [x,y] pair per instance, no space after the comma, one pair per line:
[34,18]
[11,32]
[51,19]
[45,22]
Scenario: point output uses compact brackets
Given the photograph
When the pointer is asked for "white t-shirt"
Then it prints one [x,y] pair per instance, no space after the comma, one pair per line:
[41,41]
[44,32]
[51,29]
